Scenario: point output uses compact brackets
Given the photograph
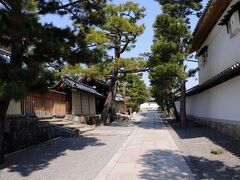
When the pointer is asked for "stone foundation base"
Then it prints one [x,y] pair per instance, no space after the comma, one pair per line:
[86,119]
[93,119]
[22,132]
[231,128]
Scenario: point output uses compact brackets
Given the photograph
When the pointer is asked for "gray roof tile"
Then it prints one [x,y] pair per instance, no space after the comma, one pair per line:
[5,56]
[78,85]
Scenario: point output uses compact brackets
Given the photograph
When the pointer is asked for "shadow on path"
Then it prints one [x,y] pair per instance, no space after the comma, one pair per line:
[165,164]
[197,142]
[38,158]
[196,131]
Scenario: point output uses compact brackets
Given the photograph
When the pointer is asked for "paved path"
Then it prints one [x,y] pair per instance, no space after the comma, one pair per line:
[139,149]
[149,153]
[196,143]
[66,159]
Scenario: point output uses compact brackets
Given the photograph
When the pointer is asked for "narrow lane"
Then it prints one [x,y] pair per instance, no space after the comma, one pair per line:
[139,149]
[149,153]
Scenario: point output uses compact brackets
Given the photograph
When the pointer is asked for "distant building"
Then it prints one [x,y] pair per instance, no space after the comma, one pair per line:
[149,106]
[101,87]
[81,98]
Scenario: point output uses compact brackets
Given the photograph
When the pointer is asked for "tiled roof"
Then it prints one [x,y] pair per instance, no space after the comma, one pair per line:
[222,77]
[202,16]
[5,56]
[78,85]
[212,12]
[104,83]
[230,12]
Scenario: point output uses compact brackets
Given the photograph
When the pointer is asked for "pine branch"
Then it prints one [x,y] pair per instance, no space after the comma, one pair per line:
[49,10]
[134,71]
[127,43]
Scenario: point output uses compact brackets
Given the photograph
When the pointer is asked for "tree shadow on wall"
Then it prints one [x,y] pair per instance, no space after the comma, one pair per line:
[40,157]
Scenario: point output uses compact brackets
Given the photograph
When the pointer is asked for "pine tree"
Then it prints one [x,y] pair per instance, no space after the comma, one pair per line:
[35,46]
[116,36]
[171,48]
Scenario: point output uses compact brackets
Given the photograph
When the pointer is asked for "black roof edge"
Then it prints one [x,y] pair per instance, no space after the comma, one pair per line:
[2,51]
[220,78]
[104,83]
[79,82]
[96,93]
[202,16]
[204,49]
[227,17]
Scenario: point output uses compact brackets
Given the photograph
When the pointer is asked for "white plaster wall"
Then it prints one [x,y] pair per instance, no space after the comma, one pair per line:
[14,108]
[220,102]
[223,51]
[76,103]
[85,105]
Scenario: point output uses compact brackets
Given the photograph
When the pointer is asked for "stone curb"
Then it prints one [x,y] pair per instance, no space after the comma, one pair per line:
[31,147]
[110,165]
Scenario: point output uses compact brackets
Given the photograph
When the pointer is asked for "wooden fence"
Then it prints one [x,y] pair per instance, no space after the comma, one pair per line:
[44,105]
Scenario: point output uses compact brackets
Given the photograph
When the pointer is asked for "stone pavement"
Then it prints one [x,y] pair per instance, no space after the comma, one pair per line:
[65,159]
[149,153]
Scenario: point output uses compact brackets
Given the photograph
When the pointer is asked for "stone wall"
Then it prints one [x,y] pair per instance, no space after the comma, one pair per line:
[87,119]
[22,132]
[231,128]
[94,119]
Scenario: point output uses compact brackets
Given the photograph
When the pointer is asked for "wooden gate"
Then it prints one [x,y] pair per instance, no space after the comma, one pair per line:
[44,105]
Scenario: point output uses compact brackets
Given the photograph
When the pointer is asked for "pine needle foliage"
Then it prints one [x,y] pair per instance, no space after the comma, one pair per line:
[171,48]
[37,47]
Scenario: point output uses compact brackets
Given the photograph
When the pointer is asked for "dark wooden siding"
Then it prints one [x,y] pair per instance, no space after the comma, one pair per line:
[44,105]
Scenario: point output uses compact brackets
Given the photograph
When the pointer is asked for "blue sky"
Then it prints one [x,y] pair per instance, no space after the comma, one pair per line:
[145,40]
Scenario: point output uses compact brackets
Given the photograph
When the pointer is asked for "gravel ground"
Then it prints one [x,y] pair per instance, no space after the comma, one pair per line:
[196,144]
[66,159]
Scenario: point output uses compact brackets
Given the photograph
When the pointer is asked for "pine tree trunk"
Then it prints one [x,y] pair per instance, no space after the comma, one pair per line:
[112,89]
[3,111]
[114,109]
[175,112]
[125,100]
[183,116]
[109,99]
